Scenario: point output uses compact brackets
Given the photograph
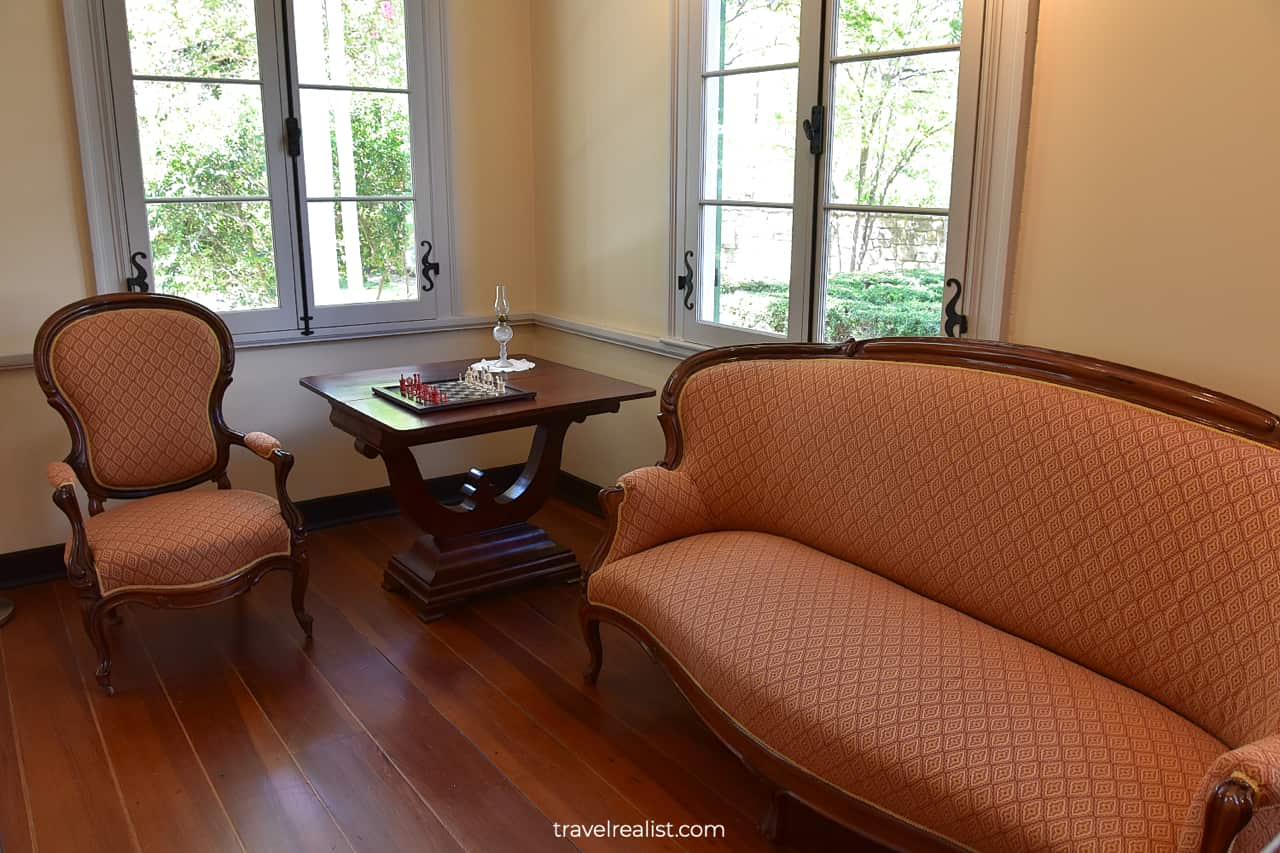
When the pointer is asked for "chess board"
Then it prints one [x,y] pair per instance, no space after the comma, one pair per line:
[459,395]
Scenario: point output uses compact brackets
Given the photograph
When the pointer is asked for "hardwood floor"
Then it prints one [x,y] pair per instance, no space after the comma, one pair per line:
[475,732]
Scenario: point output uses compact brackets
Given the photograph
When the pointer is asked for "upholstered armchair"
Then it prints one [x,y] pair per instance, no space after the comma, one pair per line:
[139,380]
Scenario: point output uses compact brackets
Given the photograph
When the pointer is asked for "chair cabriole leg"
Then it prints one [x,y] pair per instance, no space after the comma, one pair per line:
[95,625]
[301,574]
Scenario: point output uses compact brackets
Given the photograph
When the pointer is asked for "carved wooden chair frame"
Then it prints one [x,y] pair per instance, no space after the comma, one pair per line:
[1233,801]
[98,608]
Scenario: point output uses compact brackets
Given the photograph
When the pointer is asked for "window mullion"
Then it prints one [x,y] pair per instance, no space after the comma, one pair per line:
[289,149]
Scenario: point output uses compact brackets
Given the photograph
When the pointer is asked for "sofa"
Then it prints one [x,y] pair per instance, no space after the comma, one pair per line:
[965,595]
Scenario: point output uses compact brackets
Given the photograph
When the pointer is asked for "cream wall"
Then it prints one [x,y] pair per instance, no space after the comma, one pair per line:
[1149,231]
[43,239]
[602,154]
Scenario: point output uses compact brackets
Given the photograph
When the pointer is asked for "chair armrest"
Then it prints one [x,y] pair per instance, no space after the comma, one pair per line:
[78,558]
[648,507]
[261,443]
[1250,772]
[268,447]
[60,474]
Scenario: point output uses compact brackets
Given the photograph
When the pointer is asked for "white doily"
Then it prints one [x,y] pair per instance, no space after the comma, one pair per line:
[491,365]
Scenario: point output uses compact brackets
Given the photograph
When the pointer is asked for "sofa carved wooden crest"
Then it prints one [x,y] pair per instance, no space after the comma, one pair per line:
[964,595]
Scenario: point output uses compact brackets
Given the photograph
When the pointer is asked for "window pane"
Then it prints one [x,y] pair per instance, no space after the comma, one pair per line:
[894,130]
[357,143]
[201,139]
[193,38]
[743,33]
[746,267]
[867,26]
[351,42]
[217,253]
[751,137]
[362,251]
[884,275]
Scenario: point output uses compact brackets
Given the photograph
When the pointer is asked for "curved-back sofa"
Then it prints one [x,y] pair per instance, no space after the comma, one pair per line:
[965,595]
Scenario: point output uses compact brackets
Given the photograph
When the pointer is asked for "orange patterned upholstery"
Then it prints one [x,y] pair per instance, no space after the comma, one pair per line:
[900,700]
[1143,547]
[261,443]
[140,381]
[184,539]
[60,474]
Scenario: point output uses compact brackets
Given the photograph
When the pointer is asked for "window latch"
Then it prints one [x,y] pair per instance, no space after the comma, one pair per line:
[955,321]
[684,283]
[815,128]
[137,283]
[293,136]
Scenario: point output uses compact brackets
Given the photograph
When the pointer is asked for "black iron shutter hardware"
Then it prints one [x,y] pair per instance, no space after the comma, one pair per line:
[814,128]
[137,283]
[429,267]
[954,319]
[684,282]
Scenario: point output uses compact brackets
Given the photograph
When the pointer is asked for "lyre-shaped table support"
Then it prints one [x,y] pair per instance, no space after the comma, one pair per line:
[482,542]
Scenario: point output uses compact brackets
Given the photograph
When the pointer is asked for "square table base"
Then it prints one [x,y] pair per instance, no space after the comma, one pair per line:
[439,574]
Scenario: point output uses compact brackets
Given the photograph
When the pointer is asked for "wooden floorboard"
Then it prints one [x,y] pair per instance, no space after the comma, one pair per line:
[74,800]
[159,766]
[270,800]
[228,732]
[563,787]
[15,818]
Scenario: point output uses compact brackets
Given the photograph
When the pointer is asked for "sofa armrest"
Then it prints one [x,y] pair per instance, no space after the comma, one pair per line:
[648,507]
[1250,773]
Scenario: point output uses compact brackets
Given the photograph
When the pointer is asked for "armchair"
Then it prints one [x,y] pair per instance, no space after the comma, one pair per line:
[139,380]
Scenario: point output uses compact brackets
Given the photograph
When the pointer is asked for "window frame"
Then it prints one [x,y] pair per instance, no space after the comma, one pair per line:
[990,135]
[104,129]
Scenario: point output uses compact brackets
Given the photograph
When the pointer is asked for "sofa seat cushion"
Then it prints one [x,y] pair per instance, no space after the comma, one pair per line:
[186,539]
[932,715]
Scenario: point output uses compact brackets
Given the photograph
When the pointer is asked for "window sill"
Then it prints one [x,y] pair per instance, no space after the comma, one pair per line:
[290,337]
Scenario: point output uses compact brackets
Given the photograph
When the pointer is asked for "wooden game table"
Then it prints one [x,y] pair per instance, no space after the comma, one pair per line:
[482,543]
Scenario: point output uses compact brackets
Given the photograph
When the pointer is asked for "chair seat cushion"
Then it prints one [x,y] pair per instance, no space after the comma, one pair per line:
[184,539]
[894,698]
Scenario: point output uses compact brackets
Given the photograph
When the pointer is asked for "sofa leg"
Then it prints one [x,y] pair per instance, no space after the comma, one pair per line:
[1230,809]
[591,633]
[773,824]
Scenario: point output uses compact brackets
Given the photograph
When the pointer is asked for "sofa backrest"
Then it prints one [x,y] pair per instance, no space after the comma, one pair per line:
[1137,542]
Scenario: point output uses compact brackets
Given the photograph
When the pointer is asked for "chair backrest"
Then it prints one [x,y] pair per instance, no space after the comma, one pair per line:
[1126,521]
[139,380]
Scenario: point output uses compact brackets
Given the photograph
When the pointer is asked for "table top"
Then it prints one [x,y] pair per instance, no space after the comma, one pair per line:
[562,391]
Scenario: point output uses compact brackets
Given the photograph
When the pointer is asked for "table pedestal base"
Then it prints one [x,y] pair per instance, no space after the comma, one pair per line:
[442,573]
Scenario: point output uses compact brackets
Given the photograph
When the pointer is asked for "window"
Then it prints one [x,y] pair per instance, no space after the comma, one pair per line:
[275,160]
[827,154]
